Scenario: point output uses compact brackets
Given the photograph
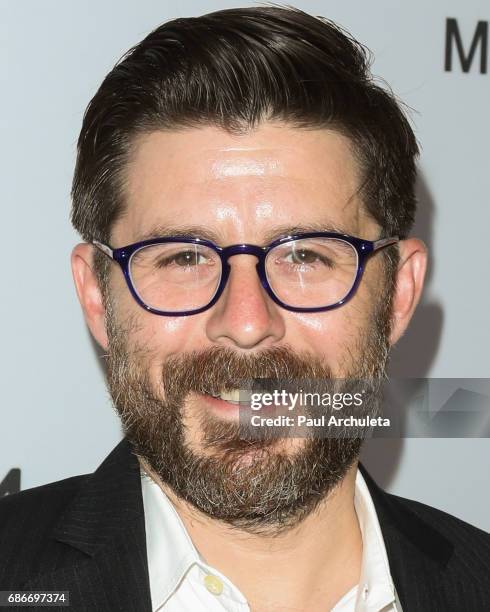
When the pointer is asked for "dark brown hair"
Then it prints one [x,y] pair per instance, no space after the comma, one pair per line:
[234,69]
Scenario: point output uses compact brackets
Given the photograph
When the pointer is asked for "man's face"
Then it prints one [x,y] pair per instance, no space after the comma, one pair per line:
[242,189]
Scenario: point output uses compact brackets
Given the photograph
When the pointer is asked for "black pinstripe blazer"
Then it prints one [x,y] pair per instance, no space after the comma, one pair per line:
[86,535]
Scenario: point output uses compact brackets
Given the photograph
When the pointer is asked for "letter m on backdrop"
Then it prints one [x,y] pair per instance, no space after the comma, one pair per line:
[454,41]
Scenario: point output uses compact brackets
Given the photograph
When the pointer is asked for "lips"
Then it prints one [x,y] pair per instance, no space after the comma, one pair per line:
[224,408]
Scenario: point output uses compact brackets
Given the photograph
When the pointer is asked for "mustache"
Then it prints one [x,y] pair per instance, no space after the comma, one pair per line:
[220,368]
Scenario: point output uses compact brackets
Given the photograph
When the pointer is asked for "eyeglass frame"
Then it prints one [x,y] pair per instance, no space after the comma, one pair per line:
[364,249]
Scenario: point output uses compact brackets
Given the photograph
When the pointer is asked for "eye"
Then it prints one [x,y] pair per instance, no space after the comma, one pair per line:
[303,256]
[183,259]
[307,257]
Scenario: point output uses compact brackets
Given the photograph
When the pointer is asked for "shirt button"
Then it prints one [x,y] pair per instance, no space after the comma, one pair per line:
[213,584]
[365,592]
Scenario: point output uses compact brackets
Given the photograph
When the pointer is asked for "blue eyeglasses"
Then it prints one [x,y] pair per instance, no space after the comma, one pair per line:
[308,272]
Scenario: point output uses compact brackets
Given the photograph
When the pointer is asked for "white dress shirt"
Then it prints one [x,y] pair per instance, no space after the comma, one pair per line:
[181,581]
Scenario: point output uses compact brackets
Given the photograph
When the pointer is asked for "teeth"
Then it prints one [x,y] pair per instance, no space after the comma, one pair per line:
[230,396]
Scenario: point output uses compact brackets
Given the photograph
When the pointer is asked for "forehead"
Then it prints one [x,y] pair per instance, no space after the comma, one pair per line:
[240,184]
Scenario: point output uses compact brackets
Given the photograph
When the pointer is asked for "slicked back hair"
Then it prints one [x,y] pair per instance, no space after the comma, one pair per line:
[235,69]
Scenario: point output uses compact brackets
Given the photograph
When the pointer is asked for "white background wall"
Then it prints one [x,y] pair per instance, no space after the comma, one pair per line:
[56,418]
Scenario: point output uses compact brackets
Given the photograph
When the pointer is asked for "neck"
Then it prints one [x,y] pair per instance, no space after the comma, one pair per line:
[310,566]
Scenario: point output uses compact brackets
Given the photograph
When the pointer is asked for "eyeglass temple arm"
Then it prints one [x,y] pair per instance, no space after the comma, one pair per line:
[104,248]
[384,242]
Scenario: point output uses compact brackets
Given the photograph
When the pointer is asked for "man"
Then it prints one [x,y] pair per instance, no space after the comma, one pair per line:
[245,191]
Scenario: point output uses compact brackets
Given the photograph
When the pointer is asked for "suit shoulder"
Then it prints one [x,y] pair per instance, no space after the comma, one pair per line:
[26,522]
[443,520]
[38,506]
[471,544]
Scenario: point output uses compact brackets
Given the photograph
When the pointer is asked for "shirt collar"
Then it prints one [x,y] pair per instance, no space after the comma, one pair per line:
[376,588]
[169,547]
[171,552]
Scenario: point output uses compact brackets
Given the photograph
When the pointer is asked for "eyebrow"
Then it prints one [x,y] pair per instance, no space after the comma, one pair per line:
[205,232]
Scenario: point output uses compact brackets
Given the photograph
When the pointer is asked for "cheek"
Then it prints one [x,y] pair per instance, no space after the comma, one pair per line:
[159,336]
[162,336]
[333,334]
[322,332]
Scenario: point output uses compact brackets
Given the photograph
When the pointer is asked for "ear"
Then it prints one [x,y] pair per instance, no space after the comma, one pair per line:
[88,291]
[409,285]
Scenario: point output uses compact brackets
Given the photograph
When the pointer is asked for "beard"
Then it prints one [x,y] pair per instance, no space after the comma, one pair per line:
[262,486]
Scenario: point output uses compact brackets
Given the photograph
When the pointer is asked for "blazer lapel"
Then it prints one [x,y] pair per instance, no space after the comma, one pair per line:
[417,552]
[99,548]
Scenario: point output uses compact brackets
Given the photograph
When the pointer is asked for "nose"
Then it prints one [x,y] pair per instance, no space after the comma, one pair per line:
[245,316]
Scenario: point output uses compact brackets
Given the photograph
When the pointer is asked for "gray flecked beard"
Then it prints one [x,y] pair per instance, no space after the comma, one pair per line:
[271,491]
